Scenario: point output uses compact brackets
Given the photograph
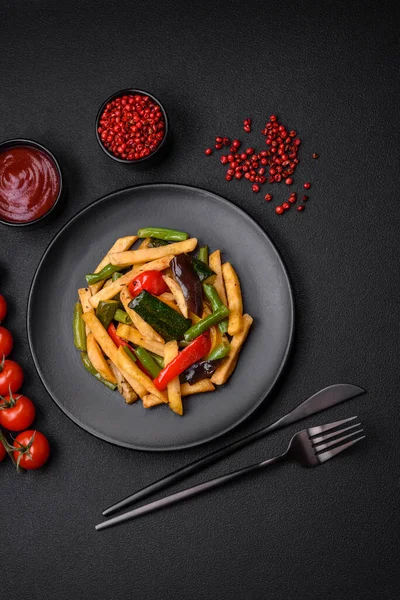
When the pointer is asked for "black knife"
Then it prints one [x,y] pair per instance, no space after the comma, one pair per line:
[329,396]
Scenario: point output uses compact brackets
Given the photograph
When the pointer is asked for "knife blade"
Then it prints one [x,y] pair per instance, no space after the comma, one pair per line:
[325,398]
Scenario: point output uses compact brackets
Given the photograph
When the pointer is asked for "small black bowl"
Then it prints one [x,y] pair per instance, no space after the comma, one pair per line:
[159,150]
[31,143]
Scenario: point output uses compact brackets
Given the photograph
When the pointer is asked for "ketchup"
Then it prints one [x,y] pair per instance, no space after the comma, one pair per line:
[29,184]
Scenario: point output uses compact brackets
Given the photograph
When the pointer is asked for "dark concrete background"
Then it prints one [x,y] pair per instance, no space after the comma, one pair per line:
[329,70]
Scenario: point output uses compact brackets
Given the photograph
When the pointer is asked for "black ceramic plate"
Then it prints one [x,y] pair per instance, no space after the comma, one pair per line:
[79,247]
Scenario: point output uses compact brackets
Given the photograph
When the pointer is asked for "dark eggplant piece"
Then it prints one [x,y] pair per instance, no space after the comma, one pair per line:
[185,275]
[200,370]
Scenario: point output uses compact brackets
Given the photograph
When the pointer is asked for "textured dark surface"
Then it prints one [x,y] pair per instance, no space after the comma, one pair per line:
[330,71]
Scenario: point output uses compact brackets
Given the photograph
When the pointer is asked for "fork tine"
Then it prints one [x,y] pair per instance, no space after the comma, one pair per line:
[320,447]
[324,456]
[326,436]
[315,430]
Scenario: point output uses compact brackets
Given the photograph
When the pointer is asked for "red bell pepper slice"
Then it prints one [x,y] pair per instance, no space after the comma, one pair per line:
[112,332]
[151,281]
[197,350]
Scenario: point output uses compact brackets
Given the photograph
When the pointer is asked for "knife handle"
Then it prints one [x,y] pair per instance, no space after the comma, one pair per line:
[190,469]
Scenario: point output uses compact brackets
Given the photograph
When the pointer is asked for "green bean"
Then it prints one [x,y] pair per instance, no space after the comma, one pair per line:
[220,351]
[203,254]
[89,367]
[159,359]
[105,273]
[79,328]
[170,235]
[129,352]
[183,344]
[87,363]
[122,317]
[198,328]
[116,276]
[213,297]
[147,361]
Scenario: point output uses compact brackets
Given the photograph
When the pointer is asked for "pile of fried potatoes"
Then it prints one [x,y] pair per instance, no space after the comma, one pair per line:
[113,363]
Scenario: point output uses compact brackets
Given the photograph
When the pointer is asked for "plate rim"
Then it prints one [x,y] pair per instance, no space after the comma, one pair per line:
[260,400]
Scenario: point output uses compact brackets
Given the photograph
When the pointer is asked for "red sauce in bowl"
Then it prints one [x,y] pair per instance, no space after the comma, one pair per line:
[29,184]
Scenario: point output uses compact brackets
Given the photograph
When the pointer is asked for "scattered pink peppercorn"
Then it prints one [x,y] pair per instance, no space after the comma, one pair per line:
[301,207]
[305,198]
[276,163]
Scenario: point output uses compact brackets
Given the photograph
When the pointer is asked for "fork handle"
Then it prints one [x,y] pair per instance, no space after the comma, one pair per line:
[190,469]
[188,493]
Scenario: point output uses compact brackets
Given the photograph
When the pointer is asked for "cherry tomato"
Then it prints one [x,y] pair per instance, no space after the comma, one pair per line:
[151,281]
[6,342]
[17,413]
[2,452]
[11,377]
[33,449]
[3,308]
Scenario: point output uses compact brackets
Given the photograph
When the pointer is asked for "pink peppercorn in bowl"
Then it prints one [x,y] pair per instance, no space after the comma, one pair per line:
[132,127]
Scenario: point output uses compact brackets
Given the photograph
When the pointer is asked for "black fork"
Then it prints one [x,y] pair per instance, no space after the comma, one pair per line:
[310,448]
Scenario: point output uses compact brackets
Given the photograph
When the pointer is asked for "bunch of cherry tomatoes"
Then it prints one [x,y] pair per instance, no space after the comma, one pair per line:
[30,449]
